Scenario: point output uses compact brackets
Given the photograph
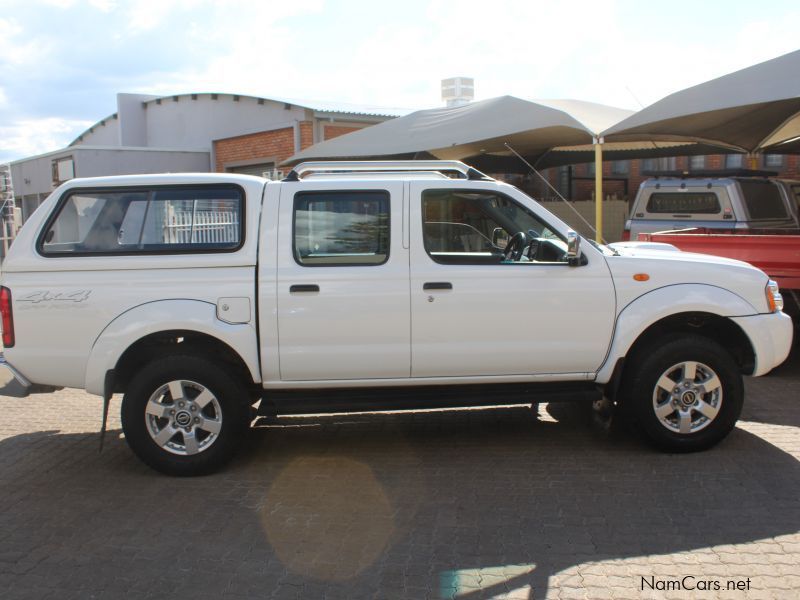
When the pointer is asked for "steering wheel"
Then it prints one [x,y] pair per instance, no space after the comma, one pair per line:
[515,246]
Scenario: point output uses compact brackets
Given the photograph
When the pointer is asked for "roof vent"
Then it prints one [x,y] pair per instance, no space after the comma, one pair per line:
[457,91]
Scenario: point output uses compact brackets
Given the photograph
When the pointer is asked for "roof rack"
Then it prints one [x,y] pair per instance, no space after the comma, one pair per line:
[386,166]
[705,173]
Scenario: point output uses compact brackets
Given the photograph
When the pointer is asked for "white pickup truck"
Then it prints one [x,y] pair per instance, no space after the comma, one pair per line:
[366,286]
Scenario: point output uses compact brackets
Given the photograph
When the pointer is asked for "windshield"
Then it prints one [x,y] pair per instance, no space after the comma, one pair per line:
[607,250]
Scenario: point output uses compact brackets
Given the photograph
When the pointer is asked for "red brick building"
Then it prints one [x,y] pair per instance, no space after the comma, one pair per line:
[264,151]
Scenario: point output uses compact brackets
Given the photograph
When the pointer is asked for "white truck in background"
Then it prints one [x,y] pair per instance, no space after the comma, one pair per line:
[366,286]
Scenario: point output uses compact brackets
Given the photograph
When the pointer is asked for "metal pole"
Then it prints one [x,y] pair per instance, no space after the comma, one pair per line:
[598,189]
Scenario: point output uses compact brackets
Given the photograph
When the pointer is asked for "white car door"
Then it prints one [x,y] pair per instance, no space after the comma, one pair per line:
[473,315]
[342,281]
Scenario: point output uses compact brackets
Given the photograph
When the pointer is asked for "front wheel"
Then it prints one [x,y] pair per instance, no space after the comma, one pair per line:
[685,393]
[184,415]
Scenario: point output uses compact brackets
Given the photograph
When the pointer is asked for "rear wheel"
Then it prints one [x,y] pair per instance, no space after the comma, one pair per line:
[685,393]
[184,415]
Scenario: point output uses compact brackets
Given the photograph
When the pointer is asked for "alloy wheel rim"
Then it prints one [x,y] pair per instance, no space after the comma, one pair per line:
[183,417]
[687,397]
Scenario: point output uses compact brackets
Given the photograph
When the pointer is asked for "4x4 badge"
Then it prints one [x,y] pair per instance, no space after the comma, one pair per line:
[47,296]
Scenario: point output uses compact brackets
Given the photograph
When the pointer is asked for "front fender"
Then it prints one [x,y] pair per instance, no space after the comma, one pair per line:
[165,315]
[663,302]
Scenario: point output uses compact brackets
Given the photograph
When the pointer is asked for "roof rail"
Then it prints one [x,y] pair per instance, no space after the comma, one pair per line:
[384,166]
[708,173]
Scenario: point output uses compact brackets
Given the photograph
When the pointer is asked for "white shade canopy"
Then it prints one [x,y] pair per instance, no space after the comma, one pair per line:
[750,110]
[474,129]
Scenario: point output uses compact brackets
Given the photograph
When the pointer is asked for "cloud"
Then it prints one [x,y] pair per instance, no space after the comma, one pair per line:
[65,60]
[35,136]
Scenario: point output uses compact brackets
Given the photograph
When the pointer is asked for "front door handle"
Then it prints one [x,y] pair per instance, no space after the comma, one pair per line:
[303,288]
[437,285]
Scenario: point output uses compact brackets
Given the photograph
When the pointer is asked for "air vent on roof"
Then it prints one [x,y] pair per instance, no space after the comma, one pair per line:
[457,91]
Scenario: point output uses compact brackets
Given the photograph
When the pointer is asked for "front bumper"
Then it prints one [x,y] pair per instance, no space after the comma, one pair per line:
[771,337]
[15,384]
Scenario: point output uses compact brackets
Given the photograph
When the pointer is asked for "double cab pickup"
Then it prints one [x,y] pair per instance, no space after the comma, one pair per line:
[207,299]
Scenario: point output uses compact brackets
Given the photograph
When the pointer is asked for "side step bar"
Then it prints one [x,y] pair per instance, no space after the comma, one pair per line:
[314,401]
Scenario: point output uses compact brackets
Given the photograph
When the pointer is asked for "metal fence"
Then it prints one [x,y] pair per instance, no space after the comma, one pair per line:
[202,227]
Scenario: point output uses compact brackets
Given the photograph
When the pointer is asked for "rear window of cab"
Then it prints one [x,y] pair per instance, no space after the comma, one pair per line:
[145,220]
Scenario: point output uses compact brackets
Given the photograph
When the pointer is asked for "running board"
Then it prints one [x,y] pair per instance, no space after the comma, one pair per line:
[314,401]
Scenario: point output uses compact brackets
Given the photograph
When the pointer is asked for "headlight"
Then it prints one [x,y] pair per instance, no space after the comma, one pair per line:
[774,298]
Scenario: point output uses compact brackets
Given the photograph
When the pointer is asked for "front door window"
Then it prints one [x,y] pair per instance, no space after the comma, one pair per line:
[466,227]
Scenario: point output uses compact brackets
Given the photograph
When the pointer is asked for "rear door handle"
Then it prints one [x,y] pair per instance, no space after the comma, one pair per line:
[437,285]
[304,288]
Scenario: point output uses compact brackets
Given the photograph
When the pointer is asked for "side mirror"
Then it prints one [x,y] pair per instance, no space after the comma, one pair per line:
[499,237]
[573,249]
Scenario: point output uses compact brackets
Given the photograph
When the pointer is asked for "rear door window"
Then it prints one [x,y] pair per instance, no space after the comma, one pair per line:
[341,228]
[763,200]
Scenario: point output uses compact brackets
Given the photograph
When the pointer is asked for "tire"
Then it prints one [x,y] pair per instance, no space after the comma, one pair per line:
[204,407]
[684,393]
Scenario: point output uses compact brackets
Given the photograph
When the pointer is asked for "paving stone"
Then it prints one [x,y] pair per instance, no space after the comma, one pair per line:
[472,504]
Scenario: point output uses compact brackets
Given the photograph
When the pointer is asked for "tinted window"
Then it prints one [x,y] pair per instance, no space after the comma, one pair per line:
[159,220]
[702,203]
[763,200]
[341,228]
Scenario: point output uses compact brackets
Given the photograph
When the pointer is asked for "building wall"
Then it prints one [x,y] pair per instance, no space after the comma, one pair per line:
[266,146]
[273,146]
[128,161]
[583,175]
[194,124]
[615,212]
[333,131]
[188,121]
[103,133]
[34,176]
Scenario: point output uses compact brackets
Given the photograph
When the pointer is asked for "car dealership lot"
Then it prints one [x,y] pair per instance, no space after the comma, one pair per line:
[468,504]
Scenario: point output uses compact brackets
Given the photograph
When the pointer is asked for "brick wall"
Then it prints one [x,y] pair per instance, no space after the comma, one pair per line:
[277,144]
[332,131]
[306,135]
[583,188]
[614,214]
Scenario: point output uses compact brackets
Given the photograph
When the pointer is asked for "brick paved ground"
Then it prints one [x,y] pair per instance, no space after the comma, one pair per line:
[469,504]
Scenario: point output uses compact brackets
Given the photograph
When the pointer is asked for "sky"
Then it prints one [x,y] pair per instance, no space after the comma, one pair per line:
[62,62]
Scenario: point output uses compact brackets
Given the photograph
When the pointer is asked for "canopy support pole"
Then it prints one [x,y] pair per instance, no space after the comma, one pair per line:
[598,189]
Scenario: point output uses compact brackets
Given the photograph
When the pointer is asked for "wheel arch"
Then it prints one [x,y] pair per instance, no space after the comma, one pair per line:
[697,309]
[154,328]
[176,341]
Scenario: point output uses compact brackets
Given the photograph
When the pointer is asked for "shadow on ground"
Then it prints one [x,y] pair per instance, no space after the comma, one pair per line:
[437,504]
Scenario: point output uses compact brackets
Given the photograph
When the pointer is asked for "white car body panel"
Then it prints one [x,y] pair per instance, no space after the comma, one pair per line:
[490,322]
[64,305]
[657,304]
[149,318]
[357,325]
[771,336]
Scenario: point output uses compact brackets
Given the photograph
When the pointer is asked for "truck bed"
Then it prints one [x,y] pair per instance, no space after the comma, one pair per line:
[777,253]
